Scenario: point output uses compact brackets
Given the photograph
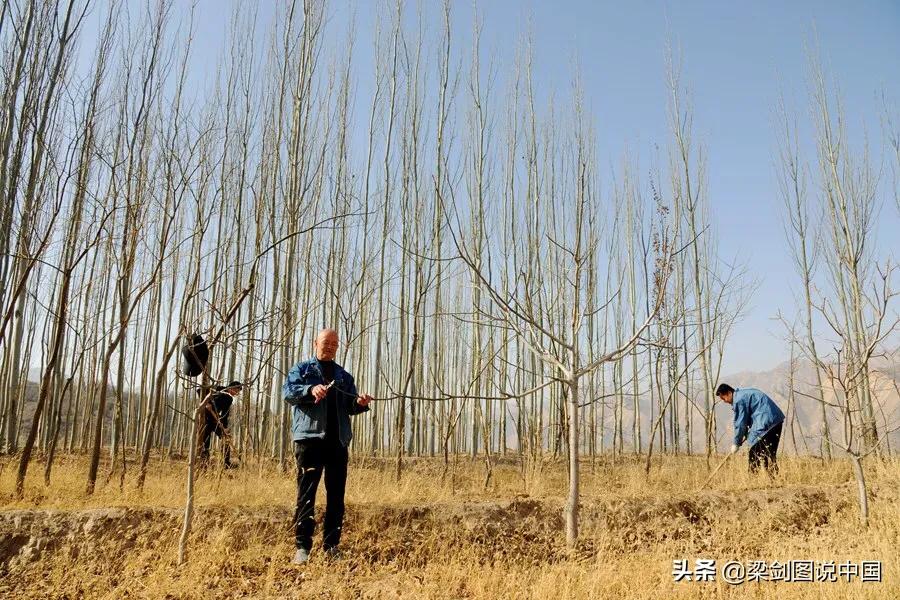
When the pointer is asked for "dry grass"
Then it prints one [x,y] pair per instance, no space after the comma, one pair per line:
[424,537]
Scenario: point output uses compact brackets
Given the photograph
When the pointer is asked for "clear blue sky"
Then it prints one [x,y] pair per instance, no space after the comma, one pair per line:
[736,57]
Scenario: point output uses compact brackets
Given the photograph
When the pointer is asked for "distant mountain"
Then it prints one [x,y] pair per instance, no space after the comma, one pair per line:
[803,433]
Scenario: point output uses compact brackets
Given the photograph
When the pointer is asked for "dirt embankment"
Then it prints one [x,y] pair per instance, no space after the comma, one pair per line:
[522,530]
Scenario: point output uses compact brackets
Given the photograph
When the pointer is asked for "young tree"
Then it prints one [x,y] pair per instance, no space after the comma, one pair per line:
[803,240]
[556,277]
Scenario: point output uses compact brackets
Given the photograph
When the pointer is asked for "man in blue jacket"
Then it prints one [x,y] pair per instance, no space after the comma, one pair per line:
[758,420]
[322,396]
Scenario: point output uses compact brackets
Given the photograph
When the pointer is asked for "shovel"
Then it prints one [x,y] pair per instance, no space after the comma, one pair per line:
[716,470]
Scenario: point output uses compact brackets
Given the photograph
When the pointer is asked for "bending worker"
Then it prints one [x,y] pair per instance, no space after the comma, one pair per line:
[757,420]
[217,406]
[322,396]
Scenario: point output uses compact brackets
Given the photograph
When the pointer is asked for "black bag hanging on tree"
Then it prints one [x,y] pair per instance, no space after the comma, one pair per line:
[194,355]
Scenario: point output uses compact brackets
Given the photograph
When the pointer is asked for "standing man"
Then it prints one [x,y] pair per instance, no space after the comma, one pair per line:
[758,420]
[322,396]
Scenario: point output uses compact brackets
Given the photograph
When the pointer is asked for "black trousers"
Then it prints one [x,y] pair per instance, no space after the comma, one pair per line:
[214,420]
[313,457]
[763,453]
[211,425]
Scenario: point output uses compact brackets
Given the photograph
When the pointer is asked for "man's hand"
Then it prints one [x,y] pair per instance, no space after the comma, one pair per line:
[363,399]
[319,392]
[735,449]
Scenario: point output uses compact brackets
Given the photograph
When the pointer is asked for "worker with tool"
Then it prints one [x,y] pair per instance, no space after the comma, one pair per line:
[215,411]
[322,396]
[758,420]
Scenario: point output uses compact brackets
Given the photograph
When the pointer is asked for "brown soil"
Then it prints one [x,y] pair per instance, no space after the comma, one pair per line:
[117,545]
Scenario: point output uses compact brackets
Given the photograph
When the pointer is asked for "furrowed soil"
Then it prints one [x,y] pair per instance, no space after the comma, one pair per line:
[436,535]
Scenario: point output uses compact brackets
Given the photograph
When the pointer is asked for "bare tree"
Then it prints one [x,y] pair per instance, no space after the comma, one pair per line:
[528,305]
[804,242]
[855,298]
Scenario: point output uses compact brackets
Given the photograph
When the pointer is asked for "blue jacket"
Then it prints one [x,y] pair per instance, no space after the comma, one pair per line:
[754,415]
[308,416]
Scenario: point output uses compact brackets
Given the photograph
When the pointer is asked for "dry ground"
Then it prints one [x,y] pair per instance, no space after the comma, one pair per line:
[428,538]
